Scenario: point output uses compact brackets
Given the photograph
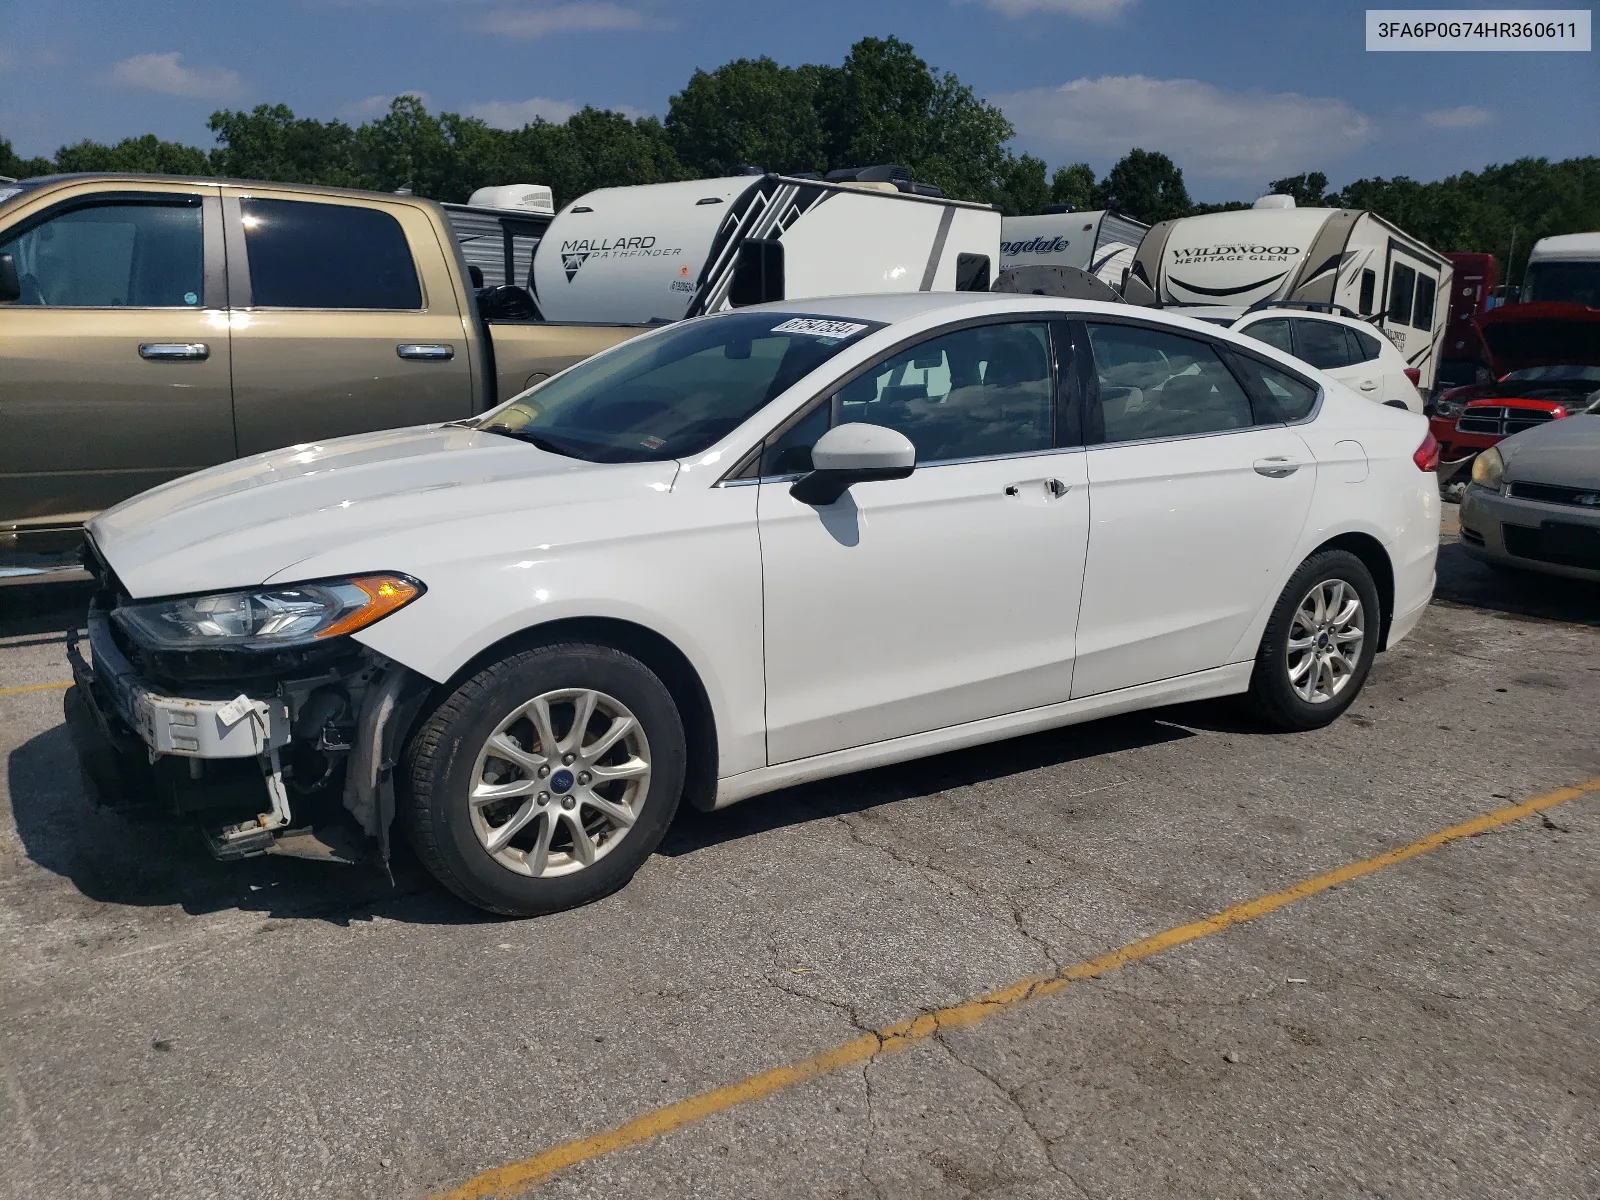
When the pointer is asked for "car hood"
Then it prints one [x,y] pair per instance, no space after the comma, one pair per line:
[246,521]
[1540,334]
[1565,453]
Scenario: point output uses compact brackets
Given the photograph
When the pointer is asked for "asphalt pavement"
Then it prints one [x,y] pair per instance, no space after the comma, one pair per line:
[171,1027]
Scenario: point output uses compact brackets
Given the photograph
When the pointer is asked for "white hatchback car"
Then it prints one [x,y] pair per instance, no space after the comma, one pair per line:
[736,553]
[1345,347]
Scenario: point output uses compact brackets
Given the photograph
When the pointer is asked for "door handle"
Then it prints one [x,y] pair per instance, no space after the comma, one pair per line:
[1057,488]
[425,352]
[1277,467]
[1054,486]
[173,351]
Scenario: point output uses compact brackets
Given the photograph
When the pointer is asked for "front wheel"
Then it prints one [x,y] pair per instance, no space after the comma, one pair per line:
[1319,643]
[545,780]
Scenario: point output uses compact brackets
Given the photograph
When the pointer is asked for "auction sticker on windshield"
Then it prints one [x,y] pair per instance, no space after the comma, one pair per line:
[817,327]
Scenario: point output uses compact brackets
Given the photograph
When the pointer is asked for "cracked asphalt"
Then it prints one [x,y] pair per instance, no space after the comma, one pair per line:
[174,1028]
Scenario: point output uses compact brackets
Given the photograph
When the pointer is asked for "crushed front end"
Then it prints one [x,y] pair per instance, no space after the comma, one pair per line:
[251,714]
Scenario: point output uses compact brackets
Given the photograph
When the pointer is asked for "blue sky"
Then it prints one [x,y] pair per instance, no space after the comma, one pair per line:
[1236,93]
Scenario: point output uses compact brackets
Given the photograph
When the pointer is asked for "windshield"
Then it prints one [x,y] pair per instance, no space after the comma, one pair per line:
[1569,282]
[1560,371]
[676,393]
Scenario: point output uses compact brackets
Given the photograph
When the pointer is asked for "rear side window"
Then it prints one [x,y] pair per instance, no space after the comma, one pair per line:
[1274,333]
[113,256]
[1422,314]
[305,255]
[1279,395]
[1155,384]
[1363,346]
[1402,289]
[1321,344]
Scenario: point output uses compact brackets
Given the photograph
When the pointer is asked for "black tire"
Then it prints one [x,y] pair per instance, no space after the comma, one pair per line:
[1272,698]
[442,755]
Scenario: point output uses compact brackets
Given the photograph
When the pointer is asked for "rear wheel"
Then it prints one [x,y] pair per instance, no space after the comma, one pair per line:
[1319,643]
[546,780]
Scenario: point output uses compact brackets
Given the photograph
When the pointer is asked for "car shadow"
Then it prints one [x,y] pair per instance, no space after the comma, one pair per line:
[126,860]
[828,798]
[1465,582]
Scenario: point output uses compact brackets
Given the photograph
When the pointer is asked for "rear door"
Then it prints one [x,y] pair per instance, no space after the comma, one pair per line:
[345,319]
[1327,346]
[1197,494]
[114,364]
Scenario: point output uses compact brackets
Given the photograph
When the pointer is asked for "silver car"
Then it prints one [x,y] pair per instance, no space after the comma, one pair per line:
[1534,500]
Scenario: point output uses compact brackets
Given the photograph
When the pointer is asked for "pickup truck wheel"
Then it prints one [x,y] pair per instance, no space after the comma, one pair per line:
[545,780]
[1319,643]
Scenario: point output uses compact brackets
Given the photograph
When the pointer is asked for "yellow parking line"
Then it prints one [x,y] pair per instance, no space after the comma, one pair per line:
[35,687]
[517,1176]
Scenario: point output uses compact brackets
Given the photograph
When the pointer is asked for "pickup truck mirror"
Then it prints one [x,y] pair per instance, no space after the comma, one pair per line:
[10,285]
[854,453]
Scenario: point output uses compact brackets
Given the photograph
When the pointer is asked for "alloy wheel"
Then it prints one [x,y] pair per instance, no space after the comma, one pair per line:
[1325,641]
[560,782]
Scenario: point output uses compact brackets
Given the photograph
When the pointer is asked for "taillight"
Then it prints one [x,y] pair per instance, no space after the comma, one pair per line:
[1415,375]
[1427,455]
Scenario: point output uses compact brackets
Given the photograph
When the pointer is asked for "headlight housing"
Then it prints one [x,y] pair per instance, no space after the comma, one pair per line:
[1489,469]
[267,618]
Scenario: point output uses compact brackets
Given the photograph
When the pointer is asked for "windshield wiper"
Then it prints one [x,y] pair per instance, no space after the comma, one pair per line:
[537,440]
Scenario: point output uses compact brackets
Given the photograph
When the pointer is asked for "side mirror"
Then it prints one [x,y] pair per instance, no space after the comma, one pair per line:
[475,275]
[506,302]
[854,453]
[10,285]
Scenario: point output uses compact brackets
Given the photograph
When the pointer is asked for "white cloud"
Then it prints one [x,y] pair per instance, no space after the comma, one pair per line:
[1207,130]
[166,73]
[1094,10]
[564,18]
[514,114]
[1464,117]
[378,105]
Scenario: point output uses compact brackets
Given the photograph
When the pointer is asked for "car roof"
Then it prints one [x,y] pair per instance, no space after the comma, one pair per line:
[893,307]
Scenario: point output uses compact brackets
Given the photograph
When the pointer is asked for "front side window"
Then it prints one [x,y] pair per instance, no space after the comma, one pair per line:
[328,256]
[1274,333]
[1322,344]
[675,393]
[973,393]
[1155,384]
[113,256]
[1402,289]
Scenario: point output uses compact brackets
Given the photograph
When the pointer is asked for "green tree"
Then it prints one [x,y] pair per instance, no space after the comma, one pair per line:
[1022,190]
[594,148]
[445,157]
[270,142]
[1310,190]
[1147,186]
[749,112]
[145,155]
[1073,185]
[886,105]
[14,166]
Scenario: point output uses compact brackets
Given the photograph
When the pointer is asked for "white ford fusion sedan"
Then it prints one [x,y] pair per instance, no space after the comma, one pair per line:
[733,554]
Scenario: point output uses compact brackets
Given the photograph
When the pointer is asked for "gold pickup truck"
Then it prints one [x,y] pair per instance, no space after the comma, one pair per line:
[153,325]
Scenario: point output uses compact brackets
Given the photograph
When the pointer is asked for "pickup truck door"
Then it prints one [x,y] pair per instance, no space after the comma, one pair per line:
[345,318]
[114,363]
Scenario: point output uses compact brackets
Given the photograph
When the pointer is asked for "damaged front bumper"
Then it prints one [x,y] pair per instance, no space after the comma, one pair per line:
[299,765]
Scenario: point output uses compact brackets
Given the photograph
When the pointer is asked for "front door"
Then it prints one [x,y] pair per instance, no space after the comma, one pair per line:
[1197,507]
[950,596]
[338,327]
[114,363]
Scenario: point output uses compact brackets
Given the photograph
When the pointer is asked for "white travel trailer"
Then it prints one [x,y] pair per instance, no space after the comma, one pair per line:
[499,228]
[1101,242]
[665,251]
[1350,258]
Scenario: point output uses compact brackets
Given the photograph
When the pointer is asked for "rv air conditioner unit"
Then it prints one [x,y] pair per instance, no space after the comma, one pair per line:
[516,197]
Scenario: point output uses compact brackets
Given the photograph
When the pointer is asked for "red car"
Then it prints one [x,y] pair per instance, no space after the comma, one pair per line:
[1546,360]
